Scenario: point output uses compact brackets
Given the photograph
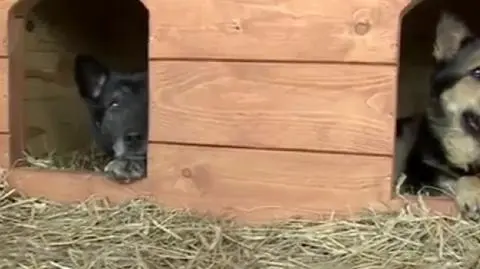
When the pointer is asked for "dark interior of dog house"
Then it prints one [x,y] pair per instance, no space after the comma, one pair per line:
[56,118]
[438,96]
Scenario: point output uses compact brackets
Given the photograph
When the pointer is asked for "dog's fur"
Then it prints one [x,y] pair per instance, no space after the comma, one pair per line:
[449,134]
[118,106]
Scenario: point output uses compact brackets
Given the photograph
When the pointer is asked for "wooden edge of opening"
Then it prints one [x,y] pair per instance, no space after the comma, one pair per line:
[76,187]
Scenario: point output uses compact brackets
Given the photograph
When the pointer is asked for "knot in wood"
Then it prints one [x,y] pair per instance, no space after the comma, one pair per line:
[237,25]
[29,26]
[362,28]
[186,172]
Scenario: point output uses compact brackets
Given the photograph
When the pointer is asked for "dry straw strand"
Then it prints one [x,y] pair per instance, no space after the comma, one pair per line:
[40,234]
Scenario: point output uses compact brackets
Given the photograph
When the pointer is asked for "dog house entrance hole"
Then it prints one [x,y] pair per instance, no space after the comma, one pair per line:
[430,41]
[57,126]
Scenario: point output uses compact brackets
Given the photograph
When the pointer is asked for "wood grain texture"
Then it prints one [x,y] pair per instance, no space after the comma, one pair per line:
[4,152]
[270,105]
[16,88]
[271,183]
[360,30]
[249,185]
[73,187]
[327,30]
[5,40]
[67,187]
[4,89]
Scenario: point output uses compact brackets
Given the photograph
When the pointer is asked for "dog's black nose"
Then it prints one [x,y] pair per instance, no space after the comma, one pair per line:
[471,122]
[133,137]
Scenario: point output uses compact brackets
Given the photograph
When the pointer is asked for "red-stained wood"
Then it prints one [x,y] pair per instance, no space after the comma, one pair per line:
[249,184]
[332,107]
[305,30]
[4,95]
[253,186]
[5,159]
[15,88]
[5,7]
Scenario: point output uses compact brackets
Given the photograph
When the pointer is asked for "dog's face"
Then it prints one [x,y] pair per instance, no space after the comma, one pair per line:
[454,112]
[118,105]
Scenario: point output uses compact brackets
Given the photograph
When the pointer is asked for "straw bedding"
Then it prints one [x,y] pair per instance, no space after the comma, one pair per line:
[39,234]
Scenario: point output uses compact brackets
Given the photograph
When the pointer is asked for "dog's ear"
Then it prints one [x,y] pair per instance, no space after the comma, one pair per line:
[90,76]
[450,35]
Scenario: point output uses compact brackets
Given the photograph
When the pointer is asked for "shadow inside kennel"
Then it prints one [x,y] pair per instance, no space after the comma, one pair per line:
[418,92]
[56,119]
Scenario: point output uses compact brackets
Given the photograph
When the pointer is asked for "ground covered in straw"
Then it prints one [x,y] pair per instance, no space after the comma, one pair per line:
[37,234]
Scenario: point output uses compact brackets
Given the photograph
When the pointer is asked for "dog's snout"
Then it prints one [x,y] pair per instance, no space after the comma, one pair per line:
[471,122]
[119,148]
[133,137]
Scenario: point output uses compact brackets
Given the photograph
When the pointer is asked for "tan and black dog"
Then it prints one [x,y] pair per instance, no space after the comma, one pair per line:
[446,152]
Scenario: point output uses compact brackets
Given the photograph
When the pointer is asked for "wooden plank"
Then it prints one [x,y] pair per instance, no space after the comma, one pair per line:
[362,30]
[5,40]
[4,84]
[20,8]
[78,187]
[16,88]
[333,107]
[4,152]
[272,184]
[211,180]
[327,30]
[13,8]
[73,187]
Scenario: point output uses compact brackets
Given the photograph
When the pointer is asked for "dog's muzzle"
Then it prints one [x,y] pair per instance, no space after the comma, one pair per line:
[471,123]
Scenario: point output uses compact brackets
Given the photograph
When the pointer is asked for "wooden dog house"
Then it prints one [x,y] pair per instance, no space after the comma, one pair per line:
[261,109]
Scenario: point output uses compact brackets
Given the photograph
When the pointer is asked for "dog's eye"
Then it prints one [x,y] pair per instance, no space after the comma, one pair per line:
[476,73]
[114,104]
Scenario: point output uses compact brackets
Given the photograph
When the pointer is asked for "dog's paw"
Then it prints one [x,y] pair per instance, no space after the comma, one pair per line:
[468,196]
[125,171]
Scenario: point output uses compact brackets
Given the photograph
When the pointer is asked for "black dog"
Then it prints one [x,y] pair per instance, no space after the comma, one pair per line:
[118,106]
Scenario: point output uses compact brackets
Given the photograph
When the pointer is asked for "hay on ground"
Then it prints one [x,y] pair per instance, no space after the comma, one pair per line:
[89,159]
[39,234]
